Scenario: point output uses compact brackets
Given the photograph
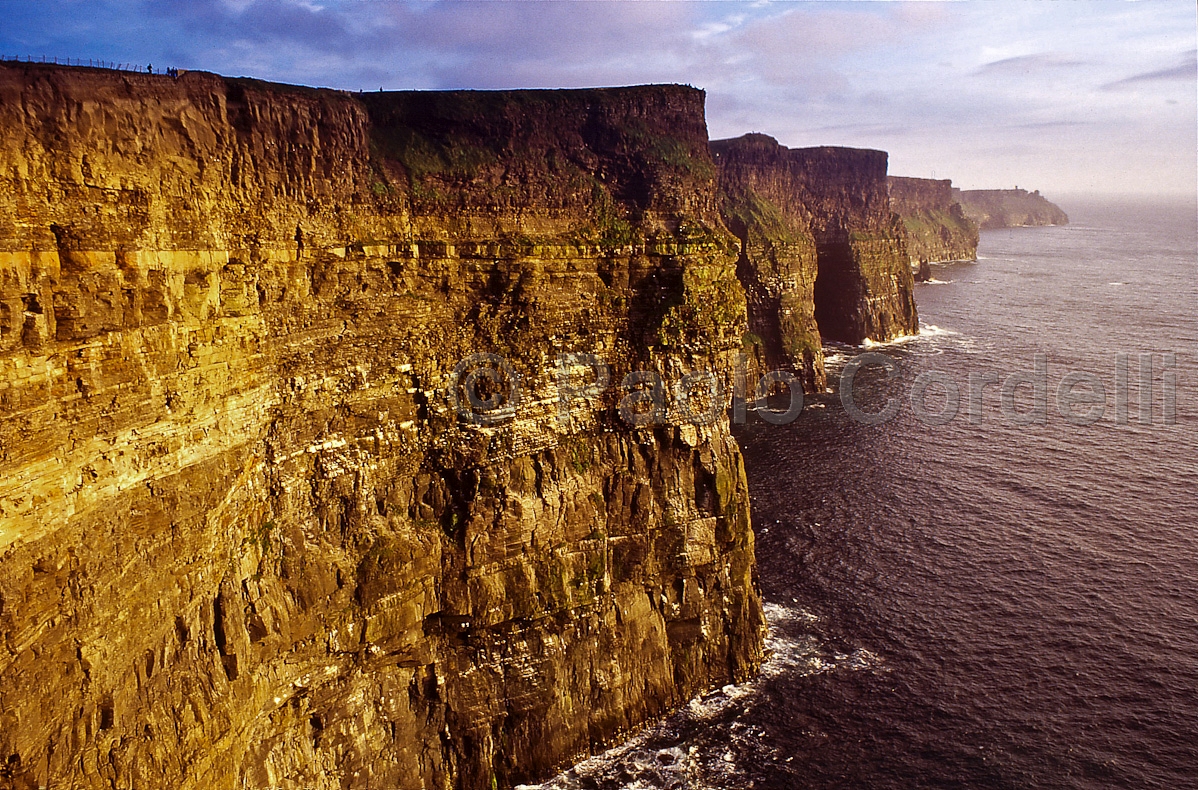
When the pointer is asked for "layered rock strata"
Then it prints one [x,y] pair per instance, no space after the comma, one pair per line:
[252,531]
[822,254]
[1009,208]
[935,227]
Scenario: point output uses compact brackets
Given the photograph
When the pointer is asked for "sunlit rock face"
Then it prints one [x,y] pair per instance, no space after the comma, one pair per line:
[822,252]
[934,223]
[250,536]
[381,440]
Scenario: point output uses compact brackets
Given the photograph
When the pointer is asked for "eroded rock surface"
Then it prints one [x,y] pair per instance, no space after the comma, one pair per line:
[246,538]
[822,252]
[252,532]
[934,223]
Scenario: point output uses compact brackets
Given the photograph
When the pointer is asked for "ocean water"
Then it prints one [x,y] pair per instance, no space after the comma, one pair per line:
[1004,599]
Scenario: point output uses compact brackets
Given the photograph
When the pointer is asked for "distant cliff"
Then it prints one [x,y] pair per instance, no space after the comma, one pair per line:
[934,223]
[821,252]
[1009,208]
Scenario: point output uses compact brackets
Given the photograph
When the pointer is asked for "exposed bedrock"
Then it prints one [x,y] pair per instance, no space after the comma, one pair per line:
[246,538]
[252,534]
[935,227]
[822,254]
[1009,208]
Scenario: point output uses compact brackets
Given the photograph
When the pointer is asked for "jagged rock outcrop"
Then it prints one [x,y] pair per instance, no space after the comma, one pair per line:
[935,226]
[248,537]
[821,251]
[1009,208]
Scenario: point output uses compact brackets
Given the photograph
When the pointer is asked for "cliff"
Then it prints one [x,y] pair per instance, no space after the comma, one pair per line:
[935,227]
[1009,208]
[822,254]
[253,533]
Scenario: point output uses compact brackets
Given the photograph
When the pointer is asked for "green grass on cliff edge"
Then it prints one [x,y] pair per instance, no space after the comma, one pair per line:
[760,216]
[929,223]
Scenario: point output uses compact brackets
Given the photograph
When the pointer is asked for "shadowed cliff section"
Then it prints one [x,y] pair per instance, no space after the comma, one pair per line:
[246,539]
[1009,208]
[821,252]
[935,227]
[623,156]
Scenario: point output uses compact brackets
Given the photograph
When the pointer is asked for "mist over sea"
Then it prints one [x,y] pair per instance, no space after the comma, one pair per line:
[992,601]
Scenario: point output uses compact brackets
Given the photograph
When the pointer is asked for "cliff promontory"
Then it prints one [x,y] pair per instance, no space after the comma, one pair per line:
[1009,208]
[382,440]
[301,487]
[822,254]
[934,224]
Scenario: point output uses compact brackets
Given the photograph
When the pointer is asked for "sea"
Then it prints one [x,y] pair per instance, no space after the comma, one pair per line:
[984,574]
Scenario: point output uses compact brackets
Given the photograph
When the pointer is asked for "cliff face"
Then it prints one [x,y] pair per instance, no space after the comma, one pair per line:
[935,226]
[1009,208]
[250,536]
[821,252]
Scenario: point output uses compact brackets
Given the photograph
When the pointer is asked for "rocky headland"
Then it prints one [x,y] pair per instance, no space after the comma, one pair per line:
[821,253]
[935,226]
[253,532]
[1009,208]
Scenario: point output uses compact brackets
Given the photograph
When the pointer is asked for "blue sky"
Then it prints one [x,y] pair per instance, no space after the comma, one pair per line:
[1067,97]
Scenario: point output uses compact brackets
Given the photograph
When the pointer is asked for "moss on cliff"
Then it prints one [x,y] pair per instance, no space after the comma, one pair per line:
[820,251]
[934,225]
[579,152]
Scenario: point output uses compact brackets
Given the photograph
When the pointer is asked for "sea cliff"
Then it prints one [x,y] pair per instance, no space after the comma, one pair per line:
[255,533]
[935,227]
[821,252]
[1009,208]
[248,540]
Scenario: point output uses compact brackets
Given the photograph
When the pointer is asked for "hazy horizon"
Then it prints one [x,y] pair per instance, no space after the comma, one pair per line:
[1070,99]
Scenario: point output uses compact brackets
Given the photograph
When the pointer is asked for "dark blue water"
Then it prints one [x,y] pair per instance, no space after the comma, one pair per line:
[982,603]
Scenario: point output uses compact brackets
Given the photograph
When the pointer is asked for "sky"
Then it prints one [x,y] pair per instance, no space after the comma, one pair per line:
[1072,98]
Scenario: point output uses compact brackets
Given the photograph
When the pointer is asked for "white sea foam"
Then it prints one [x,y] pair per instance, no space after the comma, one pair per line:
[931,330]
[934,281]
[925,331]
[793,648]
[835,357]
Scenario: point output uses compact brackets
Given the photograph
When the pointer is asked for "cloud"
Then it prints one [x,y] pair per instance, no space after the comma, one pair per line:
[262,21]
[1187,71]
[1026,64]
[1052,124]
[979,91]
